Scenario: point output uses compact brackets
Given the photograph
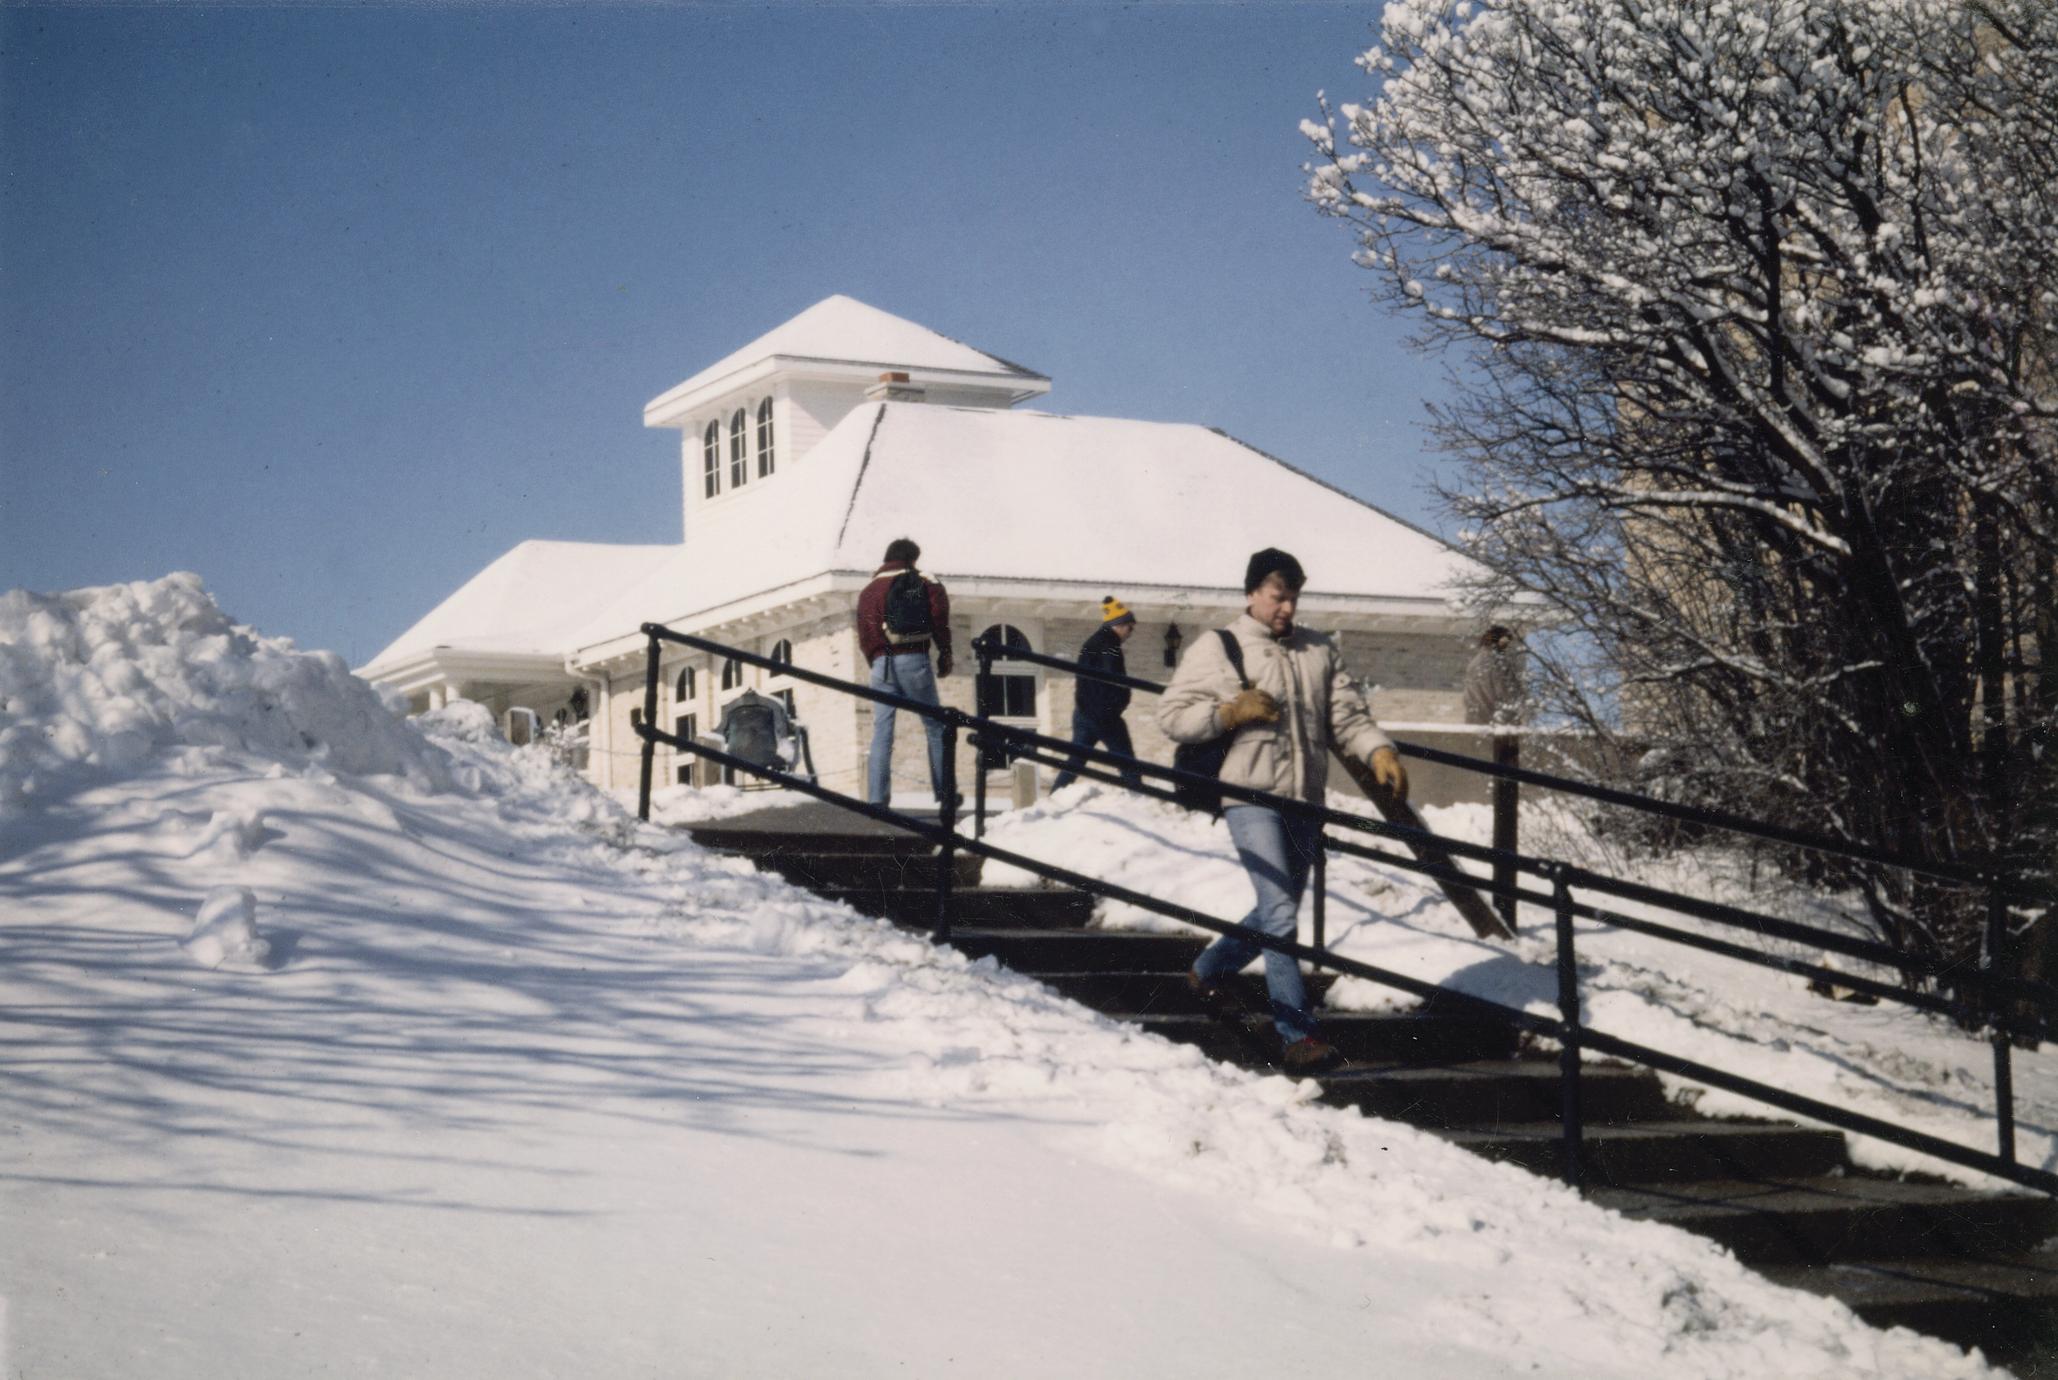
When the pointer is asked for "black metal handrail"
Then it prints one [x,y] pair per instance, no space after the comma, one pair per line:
[1568,1027]
[1988,979]
[1716,912]
[988,649]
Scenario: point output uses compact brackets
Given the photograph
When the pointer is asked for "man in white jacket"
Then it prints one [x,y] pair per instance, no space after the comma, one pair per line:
[1298,705]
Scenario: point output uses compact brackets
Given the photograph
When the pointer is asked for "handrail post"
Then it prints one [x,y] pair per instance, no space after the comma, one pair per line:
[1507,797]
[649,724]
[946,853]
[1321,880]
[978,741]
[982,694]
[1994,960]
[1568,1018]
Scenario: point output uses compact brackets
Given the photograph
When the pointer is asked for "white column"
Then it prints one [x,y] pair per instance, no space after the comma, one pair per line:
[602,732]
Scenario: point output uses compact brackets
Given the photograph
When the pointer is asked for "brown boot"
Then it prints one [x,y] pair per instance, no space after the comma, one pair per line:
[1310,1056]
[1217,998]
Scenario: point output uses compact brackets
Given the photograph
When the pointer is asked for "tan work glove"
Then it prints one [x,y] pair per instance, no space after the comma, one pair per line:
[1252,706]
[1388,773]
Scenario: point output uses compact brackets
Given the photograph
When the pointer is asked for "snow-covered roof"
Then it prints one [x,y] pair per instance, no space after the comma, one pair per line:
[1110,503]
[845,335]
[533,601]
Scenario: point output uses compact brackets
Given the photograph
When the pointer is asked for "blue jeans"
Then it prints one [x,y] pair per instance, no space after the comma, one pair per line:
[1086,731]
[909,675]
[1277,852]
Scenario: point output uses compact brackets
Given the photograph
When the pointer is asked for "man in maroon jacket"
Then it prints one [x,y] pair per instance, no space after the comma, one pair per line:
[899,614]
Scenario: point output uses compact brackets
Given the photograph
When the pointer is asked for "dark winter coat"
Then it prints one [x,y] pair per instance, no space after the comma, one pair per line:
[1097,699]
[871,615]
[1494,691]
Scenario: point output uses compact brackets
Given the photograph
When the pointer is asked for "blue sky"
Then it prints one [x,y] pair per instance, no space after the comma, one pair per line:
[334,305]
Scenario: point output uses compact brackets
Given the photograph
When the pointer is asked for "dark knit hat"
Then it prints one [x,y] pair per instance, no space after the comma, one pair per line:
[1114,613]
[1273,561]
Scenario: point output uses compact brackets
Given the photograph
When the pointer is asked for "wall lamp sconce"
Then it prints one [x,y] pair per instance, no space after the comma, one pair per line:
[1173,642]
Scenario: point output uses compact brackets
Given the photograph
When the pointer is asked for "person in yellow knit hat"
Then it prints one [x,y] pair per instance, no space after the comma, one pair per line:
[1097,708]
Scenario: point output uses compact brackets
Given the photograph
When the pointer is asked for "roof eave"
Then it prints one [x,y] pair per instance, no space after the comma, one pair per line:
[419,669]
[772,605]
[671,408]
[1424,613]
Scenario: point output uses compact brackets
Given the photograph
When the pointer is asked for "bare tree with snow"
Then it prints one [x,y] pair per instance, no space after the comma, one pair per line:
[1759,300]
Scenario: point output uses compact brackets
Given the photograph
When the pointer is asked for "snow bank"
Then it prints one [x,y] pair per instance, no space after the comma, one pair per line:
[97,681]
[546,1091]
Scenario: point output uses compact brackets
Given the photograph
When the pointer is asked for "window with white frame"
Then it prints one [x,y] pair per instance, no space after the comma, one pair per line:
[711,459]
[782,653]
[732,675]
[764,438]
[739,470]
[683,688]
[686,726]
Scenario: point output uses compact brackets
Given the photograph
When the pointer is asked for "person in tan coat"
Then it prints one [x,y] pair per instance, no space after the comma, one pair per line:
[1298,706]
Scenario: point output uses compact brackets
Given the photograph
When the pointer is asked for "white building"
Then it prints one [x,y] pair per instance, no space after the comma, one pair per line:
[805,452]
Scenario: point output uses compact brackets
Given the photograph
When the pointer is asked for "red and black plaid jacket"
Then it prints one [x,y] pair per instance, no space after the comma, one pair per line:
[871,615]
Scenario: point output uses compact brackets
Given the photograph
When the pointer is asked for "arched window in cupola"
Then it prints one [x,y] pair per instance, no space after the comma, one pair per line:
[711,459]
[764,438]
[739,470]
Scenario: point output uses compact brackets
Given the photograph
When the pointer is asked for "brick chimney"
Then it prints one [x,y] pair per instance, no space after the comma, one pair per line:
[893,386]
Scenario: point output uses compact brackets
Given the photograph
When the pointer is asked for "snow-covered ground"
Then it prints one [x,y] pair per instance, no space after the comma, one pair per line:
[334,1044]
[1889,1061]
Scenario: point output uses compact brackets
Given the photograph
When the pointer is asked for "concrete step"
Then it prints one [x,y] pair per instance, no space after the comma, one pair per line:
[1134,995]
[1042,951]
[1385,1038]
[877,871]
[1489,1092]
[2007,1305]
[763,843]
[986,907]
[1662,1152]
[1855,1217]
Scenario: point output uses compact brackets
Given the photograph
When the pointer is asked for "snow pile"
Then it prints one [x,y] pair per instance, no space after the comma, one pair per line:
[97,681]
[1908,1067]
[231,836]
[538,1090]
[679,806]
[226,930]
